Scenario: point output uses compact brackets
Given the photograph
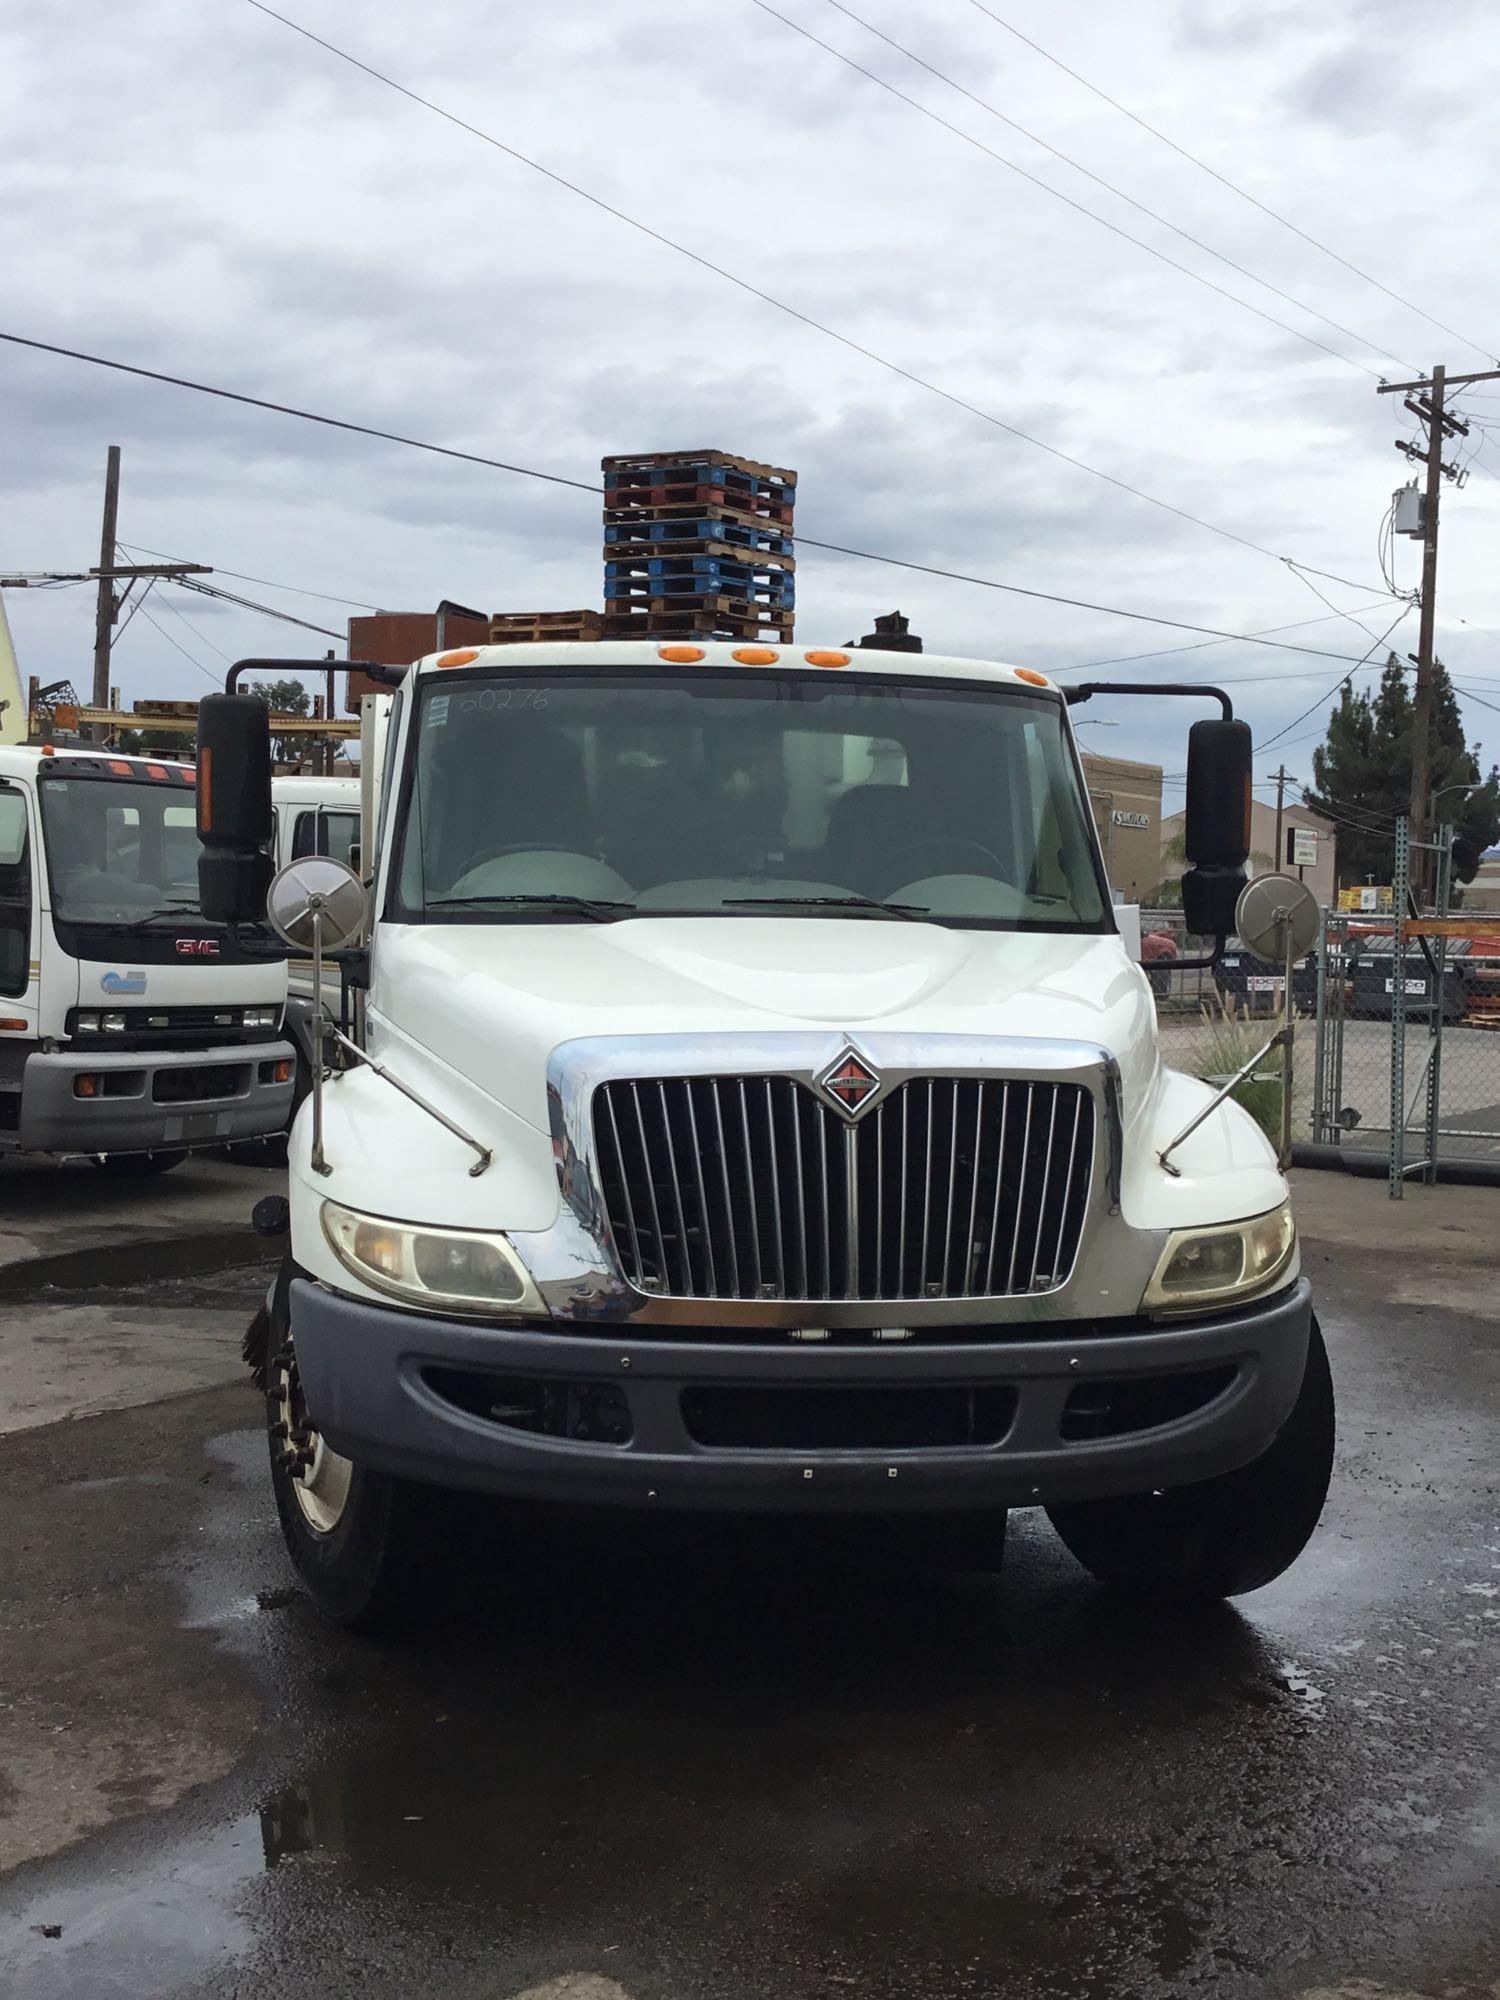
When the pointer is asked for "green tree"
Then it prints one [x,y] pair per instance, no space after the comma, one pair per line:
[284,697]
[1362,776]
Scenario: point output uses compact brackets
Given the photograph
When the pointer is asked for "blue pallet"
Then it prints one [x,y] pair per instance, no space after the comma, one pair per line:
[671,534]
[710,568]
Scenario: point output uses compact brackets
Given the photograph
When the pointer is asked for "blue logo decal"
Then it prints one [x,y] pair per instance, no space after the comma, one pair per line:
[123,982]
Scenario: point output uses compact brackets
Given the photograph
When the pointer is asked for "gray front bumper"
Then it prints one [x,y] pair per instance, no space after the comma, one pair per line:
[128,1115]
[363,1368]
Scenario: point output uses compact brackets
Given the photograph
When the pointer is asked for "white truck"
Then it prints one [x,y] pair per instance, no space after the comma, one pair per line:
[315,816]
[131,1029]
[750,1106]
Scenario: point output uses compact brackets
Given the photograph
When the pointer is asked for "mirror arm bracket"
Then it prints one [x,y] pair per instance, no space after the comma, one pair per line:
[1278,1041]
[1203,963]
[386,676]
[485,1155]
[1086,690]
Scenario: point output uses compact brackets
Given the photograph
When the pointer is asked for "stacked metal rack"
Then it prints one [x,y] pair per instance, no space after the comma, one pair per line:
[698,544]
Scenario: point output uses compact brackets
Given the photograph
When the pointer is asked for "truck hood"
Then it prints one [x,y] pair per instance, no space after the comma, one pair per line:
[491,1003]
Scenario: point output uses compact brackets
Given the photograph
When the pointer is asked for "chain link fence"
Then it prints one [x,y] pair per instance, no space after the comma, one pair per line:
[1211,1021]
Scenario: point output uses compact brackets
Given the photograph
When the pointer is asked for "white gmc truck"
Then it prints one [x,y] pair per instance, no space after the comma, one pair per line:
[131,1029]
[744,1102]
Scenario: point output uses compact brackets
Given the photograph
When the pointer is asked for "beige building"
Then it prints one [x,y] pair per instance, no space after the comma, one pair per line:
[1126,800]
[1320,871]
[1483,893]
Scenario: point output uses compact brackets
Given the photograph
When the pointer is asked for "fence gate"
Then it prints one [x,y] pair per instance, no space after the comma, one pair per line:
[1407,1058]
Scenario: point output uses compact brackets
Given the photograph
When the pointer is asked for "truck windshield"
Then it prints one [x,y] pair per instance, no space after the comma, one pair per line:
[119,851]
[596,795]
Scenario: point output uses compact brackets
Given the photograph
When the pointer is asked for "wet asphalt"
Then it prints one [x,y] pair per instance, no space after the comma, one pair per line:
[674,1760]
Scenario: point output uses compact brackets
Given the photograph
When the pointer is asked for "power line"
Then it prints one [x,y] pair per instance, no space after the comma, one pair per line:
[165,634]
[1382,640]
[249,604]
[1163,221]
[296,590]
[755,291]
[167,605]
[527,472]
[1224,181]
[1202,645]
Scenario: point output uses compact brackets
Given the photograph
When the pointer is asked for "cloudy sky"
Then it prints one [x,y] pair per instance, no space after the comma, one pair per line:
[202,191]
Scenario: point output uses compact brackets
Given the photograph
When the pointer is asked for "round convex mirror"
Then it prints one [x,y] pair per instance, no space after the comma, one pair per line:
[316,887]
[1277,915]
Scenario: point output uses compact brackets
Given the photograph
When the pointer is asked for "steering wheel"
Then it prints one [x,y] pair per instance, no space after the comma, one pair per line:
[474,858]
[946,846]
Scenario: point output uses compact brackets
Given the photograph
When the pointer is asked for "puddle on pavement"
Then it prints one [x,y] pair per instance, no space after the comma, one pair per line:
[194,1271]
[695,1745]
[684,1745]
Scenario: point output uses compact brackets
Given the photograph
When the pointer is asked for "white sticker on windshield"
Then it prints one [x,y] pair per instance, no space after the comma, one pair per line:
[437,710]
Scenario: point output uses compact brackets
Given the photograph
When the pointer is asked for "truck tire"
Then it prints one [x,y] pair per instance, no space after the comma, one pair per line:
[1218,1537]
[365,1544]
[128,1166]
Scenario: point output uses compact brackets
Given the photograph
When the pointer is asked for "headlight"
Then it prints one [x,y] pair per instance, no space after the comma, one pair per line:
[260,1017]
[451,1270]
[85,1024]
[114,1024]
[1222,1265]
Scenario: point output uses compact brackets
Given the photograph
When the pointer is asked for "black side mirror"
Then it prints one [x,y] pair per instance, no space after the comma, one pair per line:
[234,807]
[1218,825]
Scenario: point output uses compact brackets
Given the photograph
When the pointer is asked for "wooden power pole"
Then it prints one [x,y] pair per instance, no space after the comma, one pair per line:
[1426,401]
[107,604]
[1283,778]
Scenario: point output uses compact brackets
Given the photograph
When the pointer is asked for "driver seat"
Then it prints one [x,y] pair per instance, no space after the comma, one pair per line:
[868,828]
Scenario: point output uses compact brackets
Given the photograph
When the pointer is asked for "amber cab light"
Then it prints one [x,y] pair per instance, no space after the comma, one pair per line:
[459,659]
[755,656]
[1032,677]
[826,659]
[680,656]
[10,1024]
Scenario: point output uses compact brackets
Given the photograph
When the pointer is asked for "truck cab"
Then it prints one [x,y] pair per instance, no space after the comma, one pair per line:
[315,816]
[131,1028]
[755,1109]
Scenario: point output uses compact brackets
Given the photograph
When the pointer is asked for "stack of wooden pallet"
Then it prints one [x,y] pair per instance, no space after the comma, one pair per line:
[540,628]
[698,544]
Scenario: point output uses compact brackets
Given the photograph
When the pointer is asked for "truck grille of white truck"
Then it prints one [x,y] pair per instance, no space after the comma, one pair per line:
[725,1187]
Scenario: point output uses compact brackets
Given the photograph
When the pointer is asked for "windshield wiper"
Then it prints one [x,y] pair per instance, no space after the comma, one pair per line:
[177,911]
[913,913]
[589,906]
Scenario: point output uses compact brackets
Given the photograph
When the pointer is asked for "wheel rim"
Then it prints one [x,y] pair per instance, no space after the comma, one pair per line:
[318,1476]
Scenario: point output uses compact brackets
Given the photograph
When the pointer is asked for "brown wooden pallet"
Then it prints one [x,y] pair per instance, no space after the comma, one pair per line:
[689,603]
[645,461]
[758,509]
[513,620]
[666,626]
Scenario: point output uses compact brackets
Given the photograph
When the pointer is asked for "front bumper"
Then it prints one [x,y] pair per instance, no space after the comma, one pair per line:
[405,1393]
[150,1100]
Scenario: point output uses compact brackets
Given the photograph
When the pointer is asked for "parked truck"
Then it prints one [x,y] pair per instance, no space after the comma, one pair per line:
[132,1029]
[746,1104]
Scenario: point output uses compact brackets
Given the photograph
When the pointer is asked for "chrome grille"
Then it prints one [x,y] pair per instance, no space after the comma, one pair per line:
[723,1187]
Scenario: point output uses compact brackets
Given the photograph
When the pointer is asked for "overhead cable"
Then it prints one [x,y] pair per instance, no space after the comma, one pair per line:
[556,479]
[1233,186]
[756,291]
[1078,167]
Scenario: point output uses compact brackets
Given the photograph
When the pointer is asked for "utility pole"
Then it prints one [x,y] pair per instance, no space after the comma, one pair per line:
[1283,778]
[1426,401]
[107,605]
